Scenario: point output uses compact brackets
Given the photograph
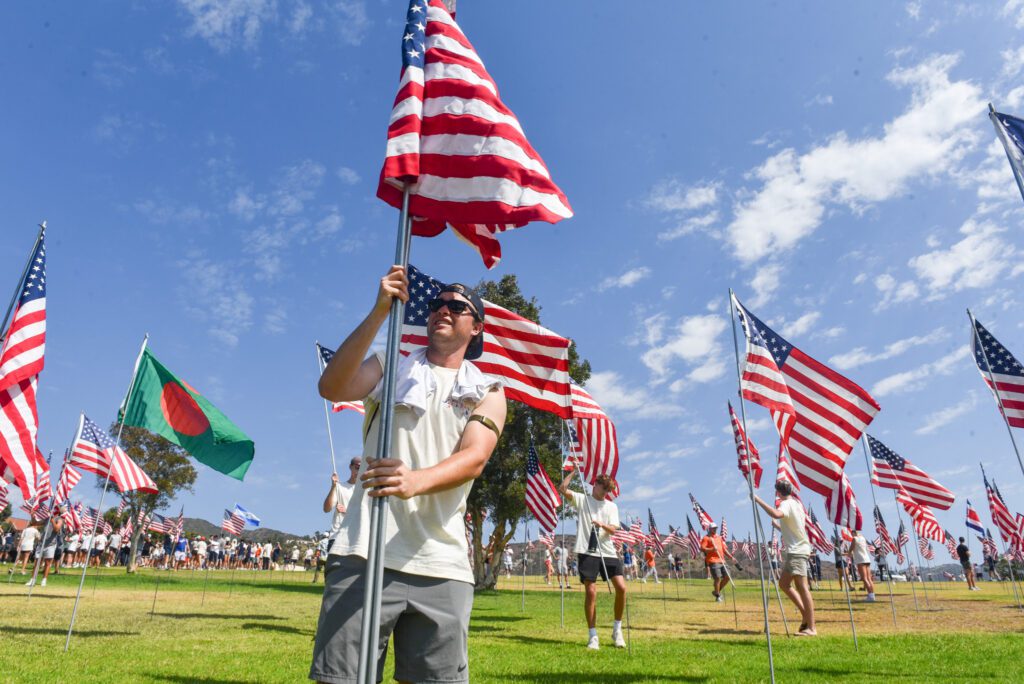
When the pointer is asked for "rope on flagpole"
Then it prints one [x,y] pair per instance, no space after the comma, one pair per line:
[750,485]
[995,388]
[106,484]
[369,636]
[888,578]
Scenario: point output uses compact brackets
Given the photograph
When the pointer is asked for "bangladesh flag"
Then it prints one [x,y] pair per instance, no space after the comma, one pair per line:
[163,403]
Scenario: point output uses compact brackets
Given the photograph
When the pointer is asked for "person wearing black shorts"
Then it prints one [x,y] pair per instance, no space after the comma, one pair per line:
[598,521]
[964,553]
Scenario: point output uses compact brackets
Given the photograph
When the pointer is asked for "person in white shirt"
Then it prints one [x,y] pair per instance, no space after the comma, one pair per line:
[29,536]
[268,550]
[598,521]
[792,524]
[71,553]
[200,551]
[561,556]
[99,544]
[508,560]
[862,561]
[338,497]
[113,548]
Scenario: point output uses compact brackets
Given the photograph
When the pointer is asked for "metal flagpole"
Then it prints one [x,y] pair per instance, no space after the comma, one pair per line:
[49,523]
[750,485]
[152,610]
[917,551]
[106,483]
[1013,578]
[562,559]
[21,282]
[775,581]
[732,585]
[370,626]
[526,542]
[327,412]
[846,587]
[913,590]
[888,579]
[995,389]
[1006,145]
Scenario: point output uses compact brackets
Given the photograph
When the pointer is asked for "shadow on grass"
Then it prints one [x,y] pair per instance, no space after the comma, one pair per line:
[63,632]
[37,595]
[217,616]
[283,629]
[499,618]
[743,632]
[604,677]
[194,680]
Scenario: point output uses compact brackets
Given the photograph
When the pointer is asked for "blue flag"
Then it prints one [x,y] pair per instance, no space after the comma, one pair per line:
[1010,130]
[249,517]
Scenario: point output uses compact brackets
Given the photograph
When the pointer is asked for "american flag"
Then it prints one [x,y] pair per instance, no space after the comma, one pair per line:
[748,548]
[121,506]
[902,538]
[4,494]
[1010,131]
[21,360]
[702,516]
[784,473]
[973,520]
[547,539]
[532,362]
[88,516]
[693,539]
[72,516]
[595,438]
[624,535]
[926,549]
[637,530]
[655,538]
[44,492]
[950,542]
[819,413]
[325,358]
[159,524]
[1001,516]
[1006,371]
[883,533]
[179,524]
[816,535]
[460,149]
[542,496]
[724,529]
[989,545]
[232,522]
[95,451]
[745,446]
[924,521]
[892,471]
[674,538]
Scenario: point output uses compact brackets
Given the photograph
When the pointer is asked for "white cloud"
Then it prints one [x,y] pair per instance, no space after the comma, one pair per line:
[163,212]
[111,70]
[928,139]
[860,355]
[821,100]
[275,320]
[630,441]
[616,396]
[976,261]
[1013,62]
[692,340]
[765,283]
[225,24]
[348,176]
[1015,10]
[244,205]
[353,21]
[917,378]
[914,9]
[943,417]
[894,292]
[300,17]
[680,202]
[215,296]
[627,279]
[801,325]
[689,225]
[648,493]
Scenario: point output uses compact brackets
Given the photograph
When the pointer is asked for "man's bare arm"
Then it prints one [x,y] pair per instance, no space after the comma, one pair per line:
[332,496]
[395,478]
[350,376]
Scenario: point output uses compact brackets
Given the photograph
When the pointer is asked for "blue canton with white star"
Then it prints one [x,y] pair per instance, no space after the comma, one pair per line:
[325,354]
[35,279]
[763,336]
[414,39]
[1014,128]
[884,453]
[95,434]
[532,463]
[422,288]
[1000,358]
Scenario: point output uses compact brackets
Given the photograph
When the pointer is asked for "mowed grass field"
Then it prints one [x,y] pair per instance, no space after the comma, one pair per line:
[259,628]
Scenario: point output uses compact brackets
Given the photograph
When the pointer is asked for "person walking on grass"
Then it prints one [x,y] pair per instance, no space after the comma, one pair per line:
[789,517]
[448,416]
[964,554]
[48,552]
[598,521]
[561,555]
[29,536]
[652,565]
[715,552]
[861,557]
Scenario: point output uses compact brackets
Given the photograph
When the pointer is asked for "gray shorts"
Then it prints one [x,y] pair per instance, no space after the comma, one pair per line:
[796,565]
[428,616]
[717,570]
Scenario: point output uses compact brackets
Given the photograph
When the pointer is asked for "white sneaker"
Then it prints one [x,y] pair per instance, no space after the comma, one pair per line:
[43,583]
[719,599]
[617,638]
[592,644]
[30,583]
[870,598]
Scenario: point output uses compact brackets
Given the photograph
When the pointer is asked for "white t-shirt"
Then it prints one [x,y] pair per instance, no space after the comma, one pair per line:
[794,528]
[344,493]
[509,556]
[100,542]
[115,541]
[215,545]
[29,536]
[268,549]
[561,555]
[426,535]
[201,547]
[590,540]
[86,542]
[859,550]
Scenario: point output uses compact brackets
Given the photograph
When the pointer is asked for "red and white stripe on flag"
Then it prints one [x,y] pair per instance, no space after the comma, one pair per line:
[462,152]
[89,457]
[356,406]
[542,496]
[925,523]
[596,436]
[128,476]
[19,423]
[1007,374]
[746,452]
[820,414]
[892,471]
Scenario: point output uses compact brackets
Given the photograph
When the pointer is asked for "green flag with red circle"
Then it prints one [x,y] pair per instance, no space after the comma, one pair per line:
[163,403]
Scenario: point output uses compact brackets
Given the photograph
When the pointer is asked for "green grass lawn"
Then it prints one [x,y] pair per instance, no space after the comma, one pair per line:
[260,629]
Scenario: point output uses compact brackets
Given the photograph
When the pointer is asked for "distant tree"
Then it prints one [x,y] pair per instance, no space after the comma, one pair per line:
[168,465]
[5,514]
[499,494]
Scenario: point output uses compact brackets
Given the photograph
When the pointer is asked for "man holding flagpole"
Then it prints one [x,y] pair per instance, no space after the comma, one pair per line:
[447,420]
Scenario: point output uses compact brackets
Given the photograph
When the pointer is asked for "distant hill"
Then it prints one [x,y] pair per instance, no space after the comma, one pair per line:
[261,534]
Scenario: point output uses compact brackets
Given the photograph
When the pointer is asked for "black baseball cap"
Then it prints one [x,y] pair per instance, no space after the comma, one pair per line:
[476,345]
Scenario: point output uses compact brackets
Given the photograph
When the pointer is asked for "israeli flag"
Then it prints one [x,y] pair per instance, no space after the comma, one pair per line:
[249,517]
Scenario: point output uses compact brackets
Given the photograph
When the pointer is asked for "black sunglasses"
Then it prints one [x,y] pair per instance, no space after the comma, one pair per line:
[456,306]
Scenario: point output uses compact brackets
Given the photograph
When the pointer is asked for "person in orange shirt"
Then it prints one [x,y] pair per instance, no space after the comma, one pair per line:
[652,566]
[715,552]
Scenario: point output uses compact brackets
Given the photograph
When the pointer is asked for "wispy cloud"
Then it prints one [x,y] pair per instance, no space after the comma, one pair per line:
[978,260]
[226,24]
[693,340]
[213,295]
[860,355]
[943,417]
[618,397]
[627,279]
[918,378]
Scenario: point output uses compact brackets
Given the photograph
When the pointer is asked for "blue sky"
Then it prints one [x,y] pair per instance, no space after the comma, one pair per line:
[208,167]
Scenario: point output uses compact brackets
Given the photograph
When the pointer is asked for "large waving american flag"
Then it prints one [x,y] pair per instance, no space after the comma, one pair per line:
[692,539]
[596,442]
[1004,521]
[702,515]
[655,538]
[892,471]
[541,494]
[1001,371]
[883,532]
[746,452]
[532,362]
[95,451]
[232,523]
[454,142]
[925,523]
[21,360]
[819,413]
[816,535]
[325,355]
